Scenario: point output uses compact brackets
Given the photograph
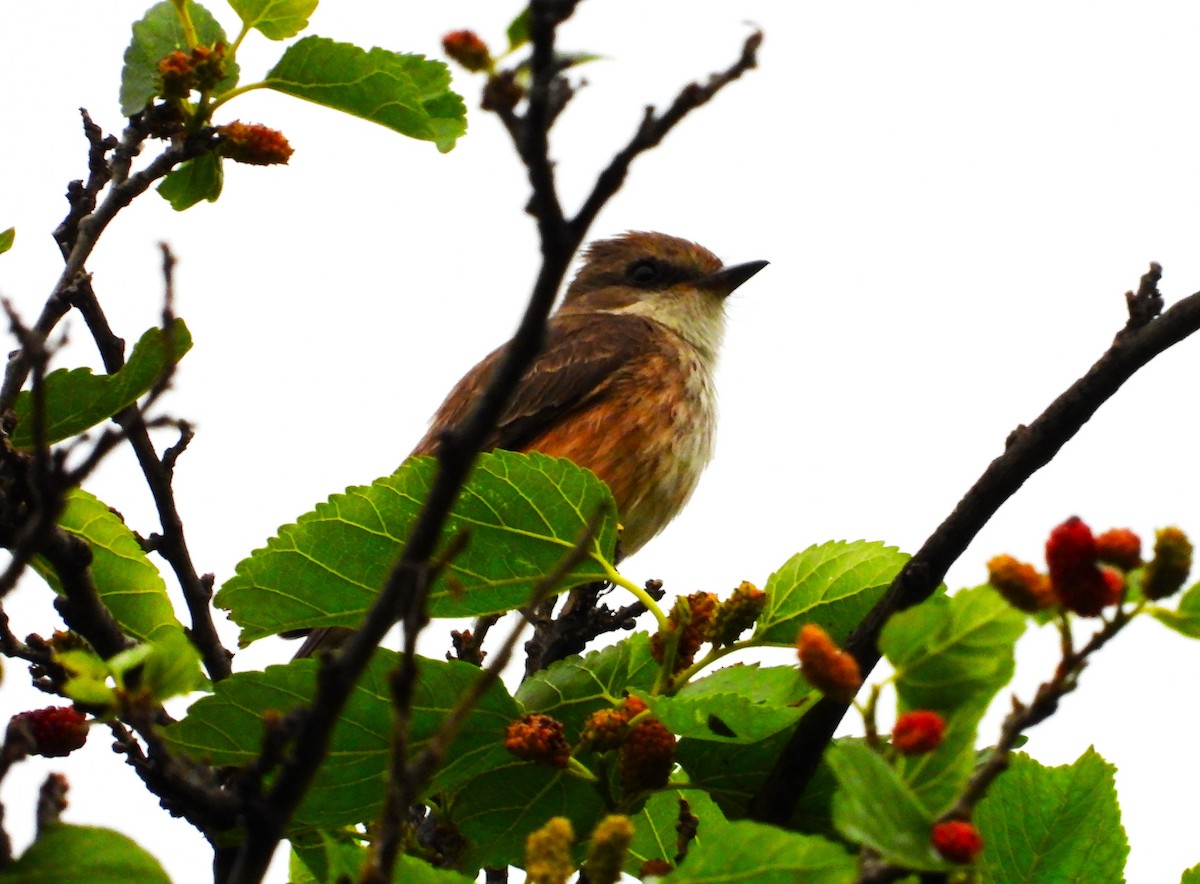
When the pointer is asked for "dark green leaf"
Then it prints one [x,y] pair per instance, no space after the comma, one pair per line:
[753,853]
[321,856]
[172,668]
[731,773]
[951,651]
[832,585]
[499,809]
[518,30]
[571,689]
[1185,619]
[1052,823]
[68,854]
[521,514]
[226,729]
[654,827]
[1191,876]
[6,239]
[874,807]
[75,399]
[738,704]
[127,582]
[201,178]
[157,35]
[275,19]
[406,93]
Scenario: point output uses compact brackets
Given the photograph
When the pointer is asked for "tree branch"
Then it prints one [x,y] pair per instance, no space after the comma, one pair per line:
[1027,450]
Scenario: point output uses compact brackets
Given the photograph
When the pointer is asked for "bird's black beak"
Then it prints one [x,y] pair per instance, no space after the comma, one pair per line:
[725,280]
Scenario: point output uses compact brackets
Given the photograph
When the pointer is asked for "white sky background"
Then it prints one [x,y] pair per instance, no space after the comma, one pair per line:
[954,198]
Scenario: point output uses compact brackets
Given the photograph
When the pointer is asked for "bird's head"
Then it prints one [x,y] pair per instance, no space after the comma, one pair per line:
[672,281]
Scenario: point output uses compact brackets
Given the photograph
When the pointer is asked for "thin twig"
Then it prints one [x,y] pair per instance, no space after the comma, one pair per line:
[654,129]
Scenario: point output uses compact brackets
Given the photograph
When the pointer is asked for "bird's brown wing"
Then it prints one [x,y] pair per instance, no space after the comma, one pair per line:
[581,357]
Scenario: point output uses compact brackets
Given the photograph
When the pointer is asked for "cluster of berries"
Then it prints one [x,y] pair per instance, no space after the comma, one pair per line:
[702,617]
[1086,573]
[199,70]
[645,747]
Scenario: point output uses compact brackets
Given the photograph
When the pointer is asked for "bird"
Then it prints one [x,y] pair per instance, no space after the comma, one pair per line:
[623,384]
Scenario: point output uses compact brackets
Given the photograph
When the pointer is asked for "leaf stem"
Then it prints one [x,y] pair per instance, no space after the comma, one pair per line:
[708,659]
[639,593]
[579,770]
[234,93]
[232,52]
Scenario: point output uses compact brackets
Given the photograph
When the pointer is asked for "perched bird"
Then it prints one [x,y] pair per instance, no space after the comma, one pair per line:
[624,383]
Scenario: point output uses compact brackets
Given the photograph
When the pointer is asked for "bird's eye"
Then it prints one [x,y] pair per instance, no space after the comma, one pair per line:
[644,272]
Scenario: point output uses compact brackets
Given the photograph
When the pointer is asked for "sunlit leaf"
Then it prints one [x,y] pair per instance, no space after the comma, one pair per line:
[275,19]
[408,94]
[832,585]
[521,514]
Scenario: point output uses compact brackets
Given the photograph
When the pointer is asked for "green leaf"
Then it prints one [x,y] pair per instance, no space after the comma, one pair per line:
[126,581]
[738,704]
[1191,876]
[753,853]
[226,729]
[1058,824]
[1185,619]
[157,35]
[952,651]
[518,30]
[275,19]
[571,689]
[406,93]
[654,827]
[731,773]
[319,856]
[499,809]
[873,806]
[172,668]
[951,655]
[200,178]
[832,585]
[87,677]
[937,778]
[521,514]
[6,239]
[68,854]
[75,399]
